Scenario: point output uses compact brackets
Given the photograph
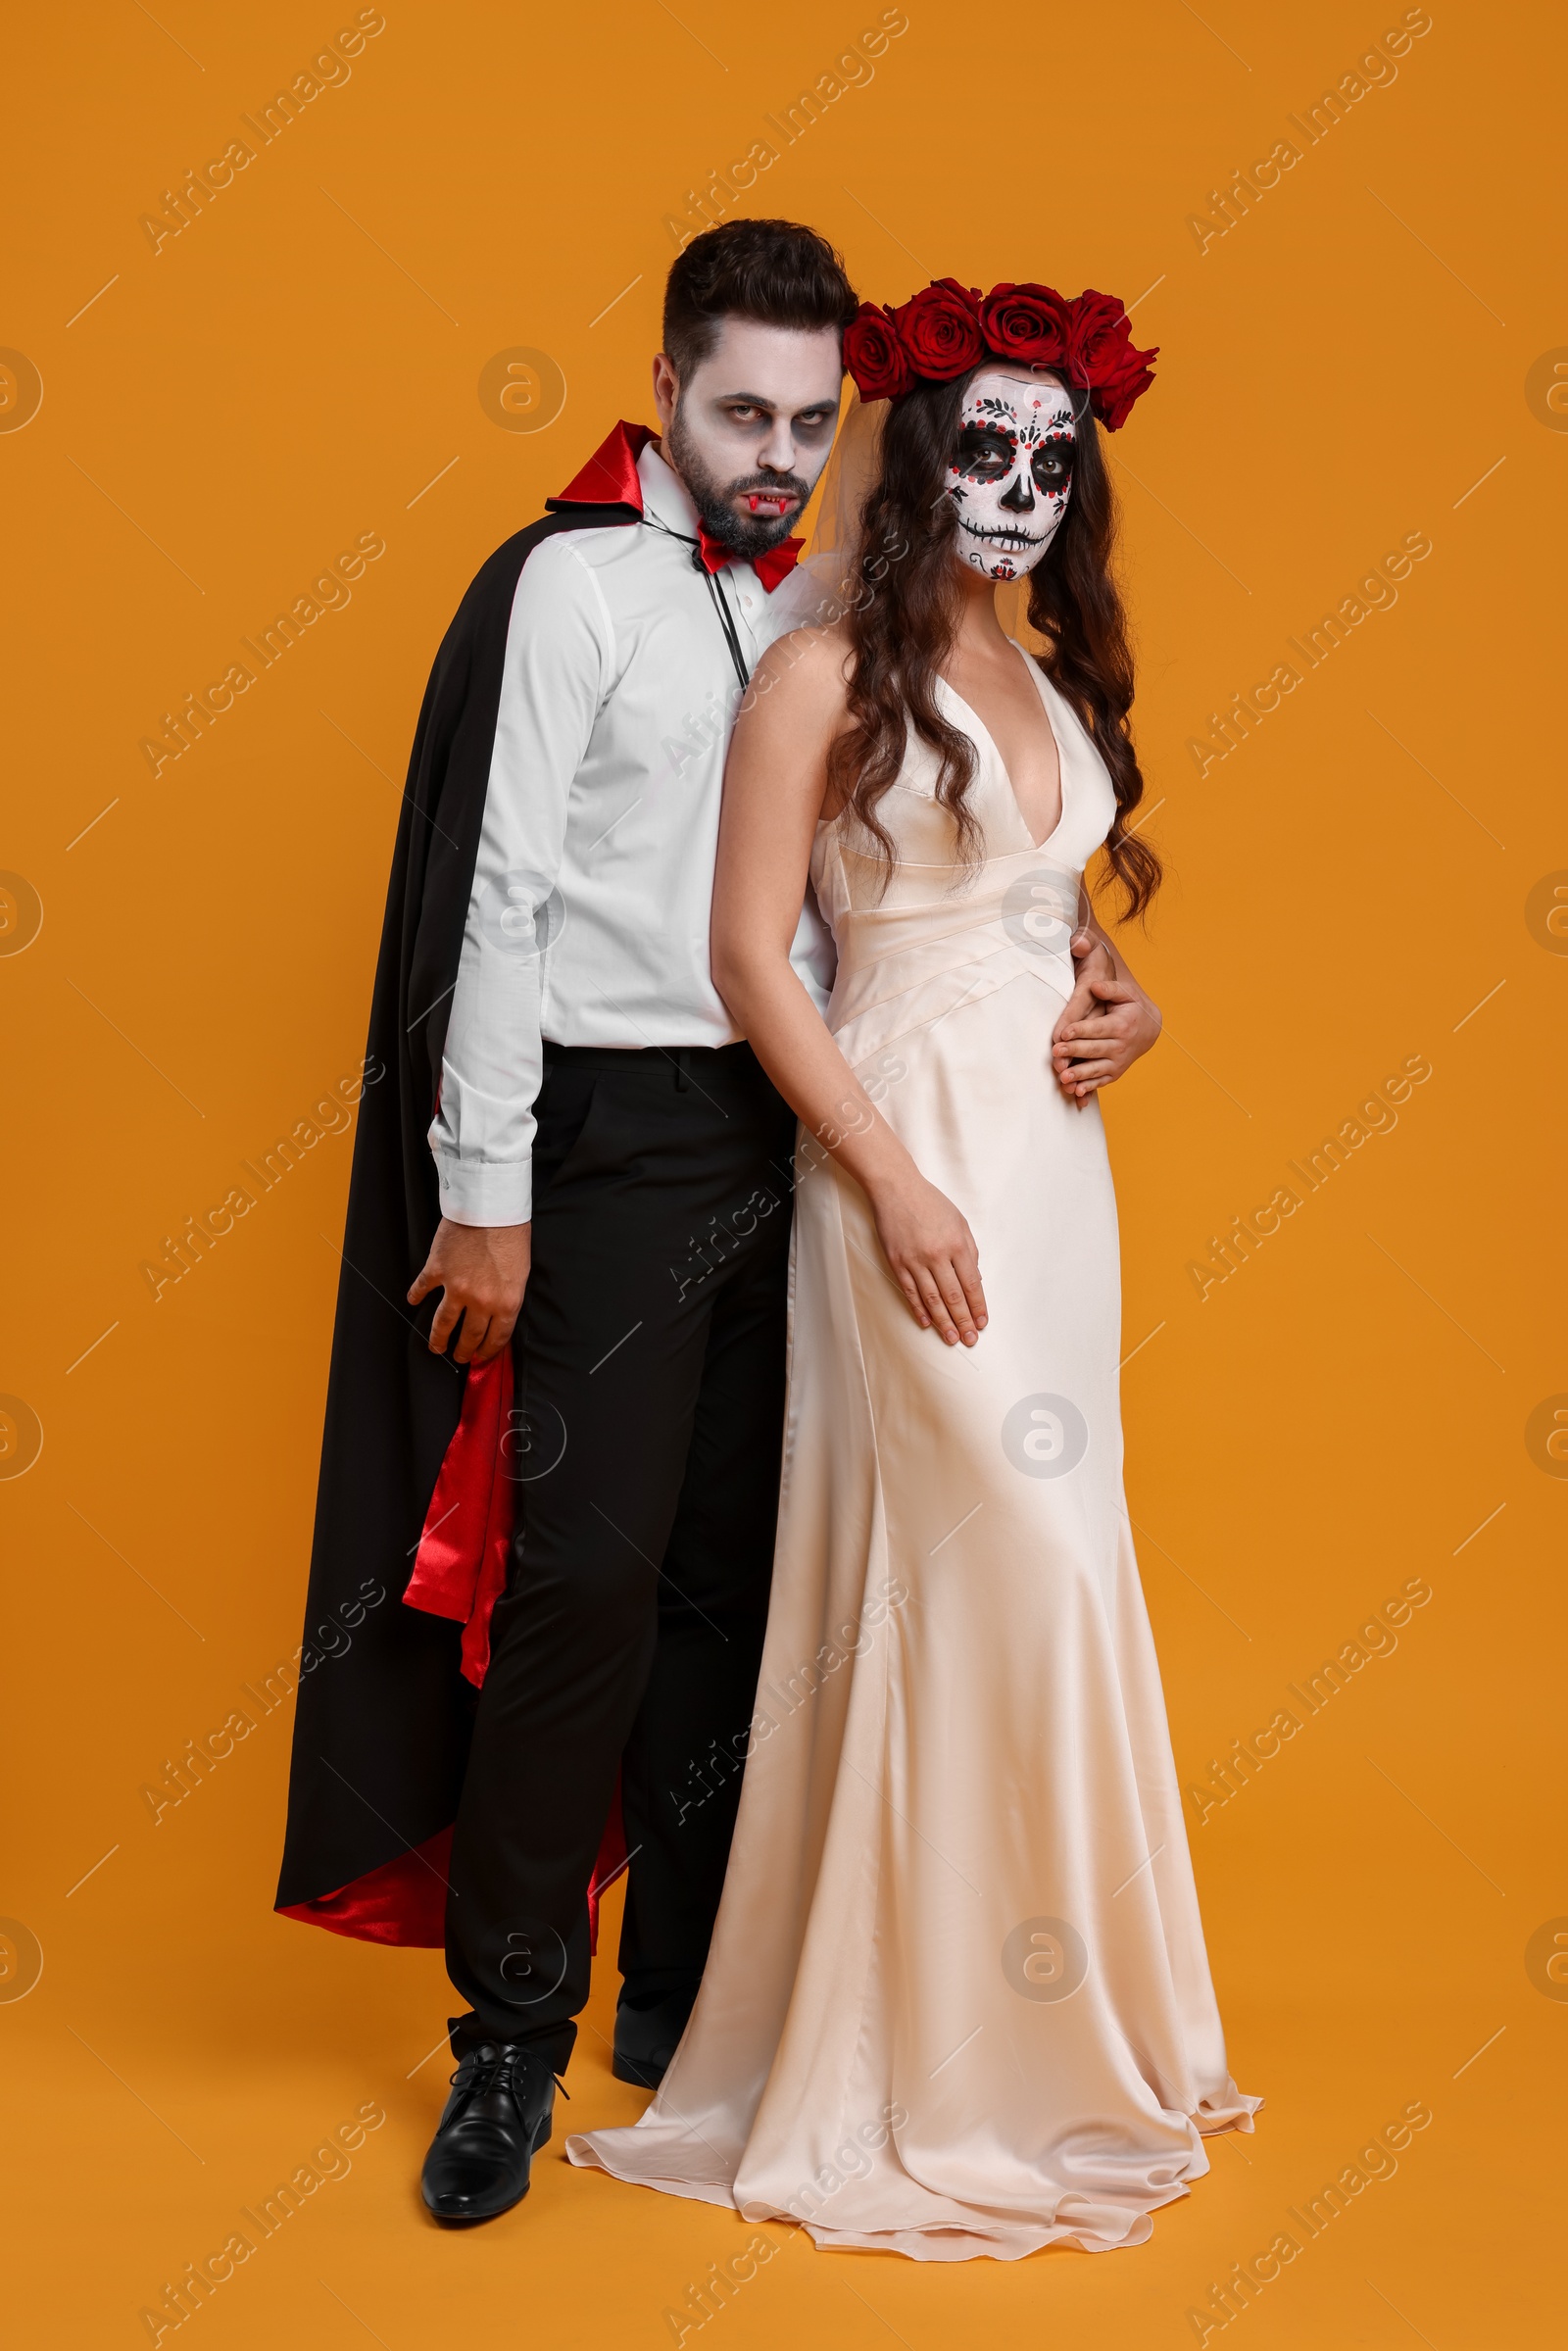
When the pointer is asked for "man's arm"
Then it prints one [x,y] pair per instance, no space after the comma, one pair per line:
[559,657]
[1107,1021]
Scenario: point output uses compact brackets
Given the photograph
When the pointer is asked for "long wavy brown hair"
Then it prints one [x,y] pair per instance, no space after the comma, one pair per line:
[903,614]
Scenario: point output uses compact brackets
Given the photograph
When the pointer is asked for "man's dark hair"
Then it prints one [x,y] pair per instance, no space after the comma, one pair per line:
[773,270]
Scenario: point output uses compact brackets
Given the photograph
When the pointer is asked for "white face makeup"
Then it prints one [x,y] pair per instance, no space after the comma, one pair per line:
[1012,475]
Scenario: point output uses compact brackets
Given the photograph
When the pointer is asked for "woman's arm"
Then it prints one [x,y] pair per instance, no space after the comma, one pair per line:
[1108,1022]
[774,785]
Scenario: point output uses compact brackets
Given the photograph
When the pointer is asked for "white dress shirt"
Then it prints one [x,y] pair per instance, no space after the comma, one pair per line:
[588,922]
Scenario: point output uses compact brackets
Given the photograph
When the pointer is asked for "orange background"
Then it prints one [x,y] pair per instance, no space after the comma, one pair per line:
[1355,359]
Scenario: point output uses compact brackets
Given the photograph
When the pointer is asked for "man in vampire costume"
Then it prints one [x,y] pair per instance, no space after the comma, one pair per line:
[555,1414]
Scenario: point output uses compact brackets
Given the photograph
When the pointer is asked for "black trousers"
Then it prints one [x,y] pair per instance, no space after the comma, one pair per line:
[647,1437]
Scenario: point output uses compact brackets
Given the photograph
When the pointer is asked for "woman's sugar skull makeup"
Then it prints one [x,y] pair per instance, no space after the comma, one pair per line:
[1013,475]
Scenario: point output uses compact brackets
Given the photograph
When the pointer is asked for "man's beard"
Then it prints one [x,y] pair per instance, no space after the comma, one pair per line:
[710,497]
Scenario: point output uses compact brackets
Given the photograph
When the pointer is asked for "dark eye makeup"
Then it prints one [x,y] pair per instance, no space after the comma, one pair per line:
[985,452]
[1051,463]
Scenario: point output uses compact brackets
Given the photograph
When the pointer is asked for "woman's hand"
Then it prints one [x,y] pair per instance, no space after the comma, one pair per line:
[934,1259]
[1107,1023]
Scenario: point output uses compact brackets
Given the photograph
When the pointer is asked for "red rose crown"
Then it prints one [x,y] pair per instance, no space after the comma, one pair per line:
[944,331]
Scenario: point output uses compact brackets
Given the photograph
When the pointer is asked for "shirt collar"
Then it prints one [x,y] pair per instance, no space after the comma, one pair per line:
[666,497]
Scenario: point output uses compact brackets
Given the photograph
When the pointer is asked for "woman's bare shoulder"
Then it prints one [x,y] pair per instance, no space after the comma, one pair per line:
[802,679]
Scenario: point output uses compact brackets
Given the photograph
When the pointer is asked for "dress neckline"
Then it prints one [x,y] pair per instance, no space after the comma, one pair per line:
[1039,683]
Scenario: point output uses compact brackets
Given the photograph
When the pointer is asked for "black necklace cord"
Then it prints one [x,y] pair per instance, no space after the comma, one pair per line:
[726,620]
[717,596]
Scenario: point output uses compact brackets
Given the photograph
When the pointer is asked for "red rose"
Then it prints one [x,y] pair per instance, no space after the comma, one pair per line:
[940,329]
[1028,323]
[1101,354]
[1097,326]
[1125,379]
[874,355]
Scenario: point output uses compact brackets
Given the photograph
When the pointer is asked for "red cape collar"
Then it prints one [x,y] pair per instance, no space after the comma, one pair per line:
[610,478]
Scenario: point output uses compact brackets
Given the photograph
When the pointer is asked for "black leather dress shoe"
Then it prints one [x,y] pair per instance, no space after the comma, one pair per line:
[496,2121]
[647,2038]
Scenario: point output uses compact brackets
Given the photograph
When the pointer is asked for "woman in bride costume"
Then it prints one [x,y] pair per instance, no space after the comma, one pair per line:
[958,2002]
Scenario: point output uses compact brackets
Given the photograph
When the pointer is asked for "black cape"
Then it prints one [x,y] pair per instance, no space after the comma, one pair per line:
[384,1718]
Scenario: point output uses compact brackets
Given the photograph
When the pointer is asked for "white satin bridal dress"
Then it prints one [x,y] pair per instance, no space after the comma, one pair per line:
[958,2002]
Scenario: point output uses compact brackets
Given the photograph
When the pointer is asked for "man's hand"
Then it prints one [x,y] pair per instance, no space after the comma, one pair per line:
[1105,1026]
[482,1269]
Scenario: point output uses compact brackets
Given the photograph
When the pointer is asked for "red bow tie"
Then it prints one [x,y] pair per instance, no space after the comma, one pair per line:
[778,562]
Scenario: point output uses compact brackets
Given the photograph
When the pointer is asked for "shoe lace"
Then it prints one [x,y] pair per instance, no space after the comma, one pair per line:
[499,2071]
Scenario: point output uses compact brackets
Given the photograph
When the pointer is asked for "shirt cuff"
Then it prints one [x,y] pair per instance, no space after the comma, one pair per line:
[477,1192]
